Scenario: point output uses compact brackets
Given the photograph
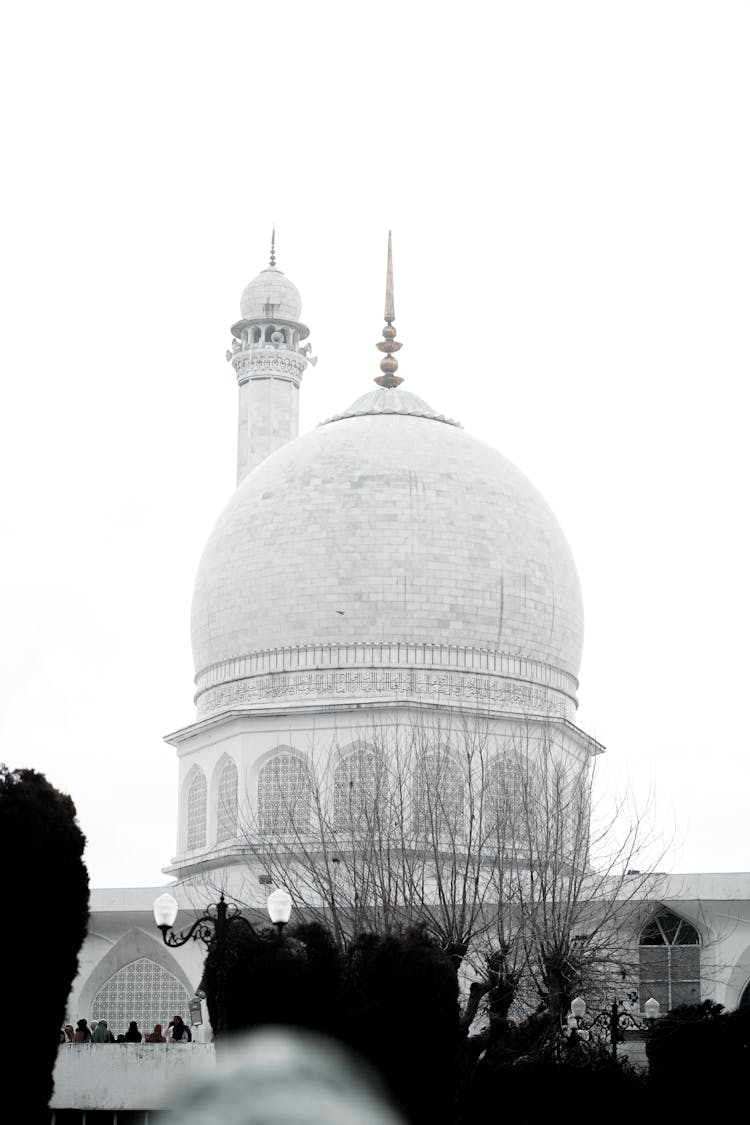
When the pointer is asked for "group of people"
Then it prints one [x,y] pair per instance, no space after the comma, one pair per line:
[177,1031]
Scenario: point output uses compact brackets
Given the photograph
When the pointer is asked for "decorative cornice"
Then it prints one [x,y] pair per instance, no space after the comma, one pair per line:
[265,363]
[387,654]
[467,689]
[204,729]
[387,670]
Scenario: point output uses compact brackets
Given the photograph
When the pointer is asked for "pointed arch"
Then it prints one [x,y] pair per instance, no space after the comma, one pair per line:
[669,960]
[143,991]
[134,945]
[358,779]
[285,794]
[504,795]
[226,801]
[439,793]
[197,809]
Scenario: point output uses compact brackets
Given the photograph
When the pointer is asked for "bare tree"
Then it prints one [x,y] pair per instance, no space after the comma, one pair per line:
[382,833]
[485,834]
[575,875]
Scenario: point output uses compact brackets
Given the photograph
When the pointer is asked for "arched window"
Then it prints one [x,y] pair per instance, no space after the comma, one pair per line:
[284,795]
[226,807]
[142,991]
[439,797]
[504,797]
[669,956]
[357,786]
[196,812]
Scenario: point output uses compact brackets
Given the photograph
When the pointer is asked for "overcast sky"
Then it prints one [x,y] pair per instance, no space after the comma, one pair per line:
[568,188]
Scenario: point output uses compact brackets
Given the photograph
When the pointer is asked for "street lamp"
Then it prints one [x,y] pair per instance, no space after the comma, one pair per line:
[212,927]
[614,1019]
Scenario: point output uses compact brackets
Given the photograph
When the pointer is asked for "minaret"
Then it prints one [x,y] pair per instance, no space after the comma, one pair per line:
[269,362]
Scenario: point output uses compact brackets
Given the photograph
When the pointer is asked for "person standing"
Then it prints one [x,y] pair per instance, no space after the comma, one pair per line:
[102,1034]
[133,1035]
[82,1033]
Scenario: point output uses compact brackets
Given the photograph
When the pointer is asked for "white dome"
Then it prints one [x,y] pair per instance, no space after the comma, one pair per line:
[384,540]
[390,400]
[271,296]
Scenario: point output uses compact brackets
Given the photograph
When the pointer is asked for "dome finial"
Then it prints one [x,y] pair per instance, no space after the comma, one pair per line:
[390,312]
[272,261]
[389,343]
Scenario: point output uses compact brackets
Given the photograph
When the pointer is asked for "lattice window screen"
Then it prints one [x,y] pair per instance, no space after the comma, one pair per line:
[227,804]
[439,797]
[196,812]
[284,795]
[142,991]
[356,787]
[504,795]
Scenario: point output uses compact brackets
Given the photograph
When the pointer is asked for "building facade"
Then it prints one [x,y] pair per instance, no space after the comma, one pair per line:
[384,573]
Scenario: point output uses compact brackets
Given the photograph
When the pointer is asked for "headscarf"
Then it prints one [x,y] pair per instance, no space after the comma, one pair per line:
[69,1033]
[180,1032]
[101,1034]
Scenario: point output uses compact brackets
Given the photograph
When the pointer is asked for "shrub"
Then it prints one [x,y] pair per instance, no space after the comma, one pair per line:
[45,886]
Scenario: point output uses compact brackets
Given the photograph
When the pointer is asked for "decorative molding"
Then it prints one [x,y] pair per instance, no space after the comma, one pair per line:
[368,683]
[267,362]
[388,654]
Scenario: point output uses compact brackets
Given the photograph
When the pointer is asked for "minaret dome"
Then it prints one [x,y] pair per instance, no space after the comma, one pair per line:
[271,296]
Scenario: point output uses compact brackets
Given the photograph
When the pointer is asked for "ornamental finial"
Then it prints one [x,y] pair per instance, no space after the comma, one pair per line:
[272,262]
[389,344]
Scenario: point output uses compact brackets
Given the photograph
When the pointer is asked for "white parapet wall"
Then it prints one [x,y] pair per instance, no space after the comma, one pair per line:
[126,1075]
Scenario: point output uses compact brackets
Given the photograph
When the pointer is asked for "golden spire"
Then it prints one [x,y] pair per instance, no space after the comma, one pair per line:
[273,246]
[389,344]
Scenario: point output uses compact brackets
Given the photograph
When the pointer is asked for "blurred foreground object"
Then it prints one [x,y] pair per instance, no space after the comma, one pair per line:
[282,1076]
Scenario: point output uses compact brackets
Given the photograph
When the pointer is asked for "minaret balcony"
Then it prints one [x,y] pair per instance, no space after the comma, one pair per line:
[261,361]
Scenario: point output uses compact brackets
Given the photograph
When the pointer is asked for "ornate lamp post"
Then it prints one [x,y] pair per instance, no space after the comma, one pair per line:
[213,927]
[614,1019]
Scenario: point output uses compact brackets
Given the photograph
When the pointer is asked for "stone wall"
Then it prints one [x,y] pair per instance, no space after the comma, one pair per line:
[126,1075]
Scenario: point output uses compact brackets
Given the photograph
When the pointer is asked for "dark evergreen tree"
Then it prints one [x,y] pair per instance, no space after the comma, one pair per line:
[46,895]
[696,1050]
[402,1015]
[294,982]
[394,999]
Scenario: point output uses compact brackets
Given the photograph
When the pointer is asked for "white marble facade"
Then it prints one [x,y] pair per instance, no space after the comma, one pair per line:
[387,528]
[385,569]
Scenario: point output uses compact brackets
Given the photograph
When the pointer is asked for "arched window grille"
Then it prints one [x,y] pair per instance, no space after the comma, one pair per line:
[196,812]
[439,786]
[226,810]
[285,797]
[504,796]
[669,957]
[142,991]
[357,787]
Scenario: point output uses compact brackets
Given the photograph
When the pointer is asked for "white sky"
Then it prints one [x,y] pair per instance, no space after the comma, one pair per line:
[568,188]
